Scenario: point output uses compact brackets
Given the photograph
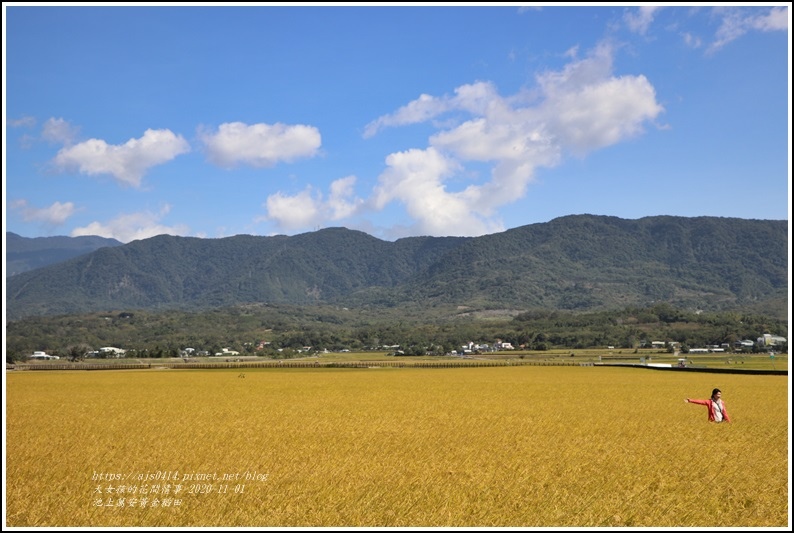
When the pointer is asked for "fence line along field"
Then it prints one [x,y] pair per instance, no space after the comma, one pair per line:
[503,446]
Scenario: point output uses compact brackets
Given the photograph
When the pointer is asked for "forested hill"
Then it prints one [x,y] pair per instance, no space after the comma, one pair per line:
[579,262]
[25,253]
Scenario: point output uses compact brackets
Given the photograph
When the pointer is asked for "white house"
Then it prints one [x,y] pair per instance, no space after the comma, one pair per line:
[771,340]
[41,356]
[110,351]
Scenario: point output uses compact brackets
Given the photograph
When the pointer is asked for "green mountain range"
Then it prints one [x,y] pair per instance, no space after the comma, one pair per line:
[24,253]
[575,263]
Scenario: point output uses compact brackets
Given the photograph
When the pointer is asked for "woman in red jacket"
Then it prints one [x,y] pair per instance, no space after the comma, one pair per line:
[717,412]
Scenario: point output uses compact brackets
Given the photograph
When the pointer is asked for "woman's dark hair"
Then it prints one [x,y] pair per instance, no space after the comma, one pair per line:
[714,392]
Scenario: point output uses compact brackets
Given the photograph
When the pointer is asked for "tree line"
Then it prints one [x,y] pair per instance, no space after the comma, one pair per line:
[283,331]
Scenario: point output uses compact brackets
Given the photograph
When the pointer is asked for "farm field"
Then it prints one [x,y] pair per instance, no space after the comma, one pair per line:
[523,446]
[723,361]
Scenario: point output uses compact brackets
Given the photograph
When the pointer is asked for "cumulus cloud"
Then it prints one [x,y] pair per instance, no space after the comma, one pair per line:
[735,22]
[342,201]
[293,212]
[127,162]
[260,145]
[59,131]
[599,115]
[308,208]
[575,110]
[54,215]
[132,226]
[640,19]
[416,179]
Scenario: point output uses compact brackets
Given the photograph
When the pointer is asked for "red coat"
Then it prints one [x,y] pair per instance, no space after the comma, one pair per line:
[712,406]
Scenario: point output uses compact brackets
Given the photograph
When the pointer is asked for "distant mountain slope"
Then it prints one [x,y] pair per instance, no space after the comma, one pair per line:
[24,253]
[588,262]
[580,262]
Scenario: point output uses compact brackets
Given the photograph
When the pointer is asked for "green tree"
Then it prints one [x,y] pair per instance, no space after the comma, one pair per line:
[77,352]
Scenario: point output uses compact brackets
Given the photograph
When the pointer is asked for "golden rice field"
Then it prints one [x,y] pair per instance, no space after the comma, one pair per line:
[503,446]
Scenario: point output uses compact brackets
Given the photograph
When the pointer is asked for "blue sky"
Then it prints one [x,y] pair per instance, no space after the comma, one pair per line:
[211,121]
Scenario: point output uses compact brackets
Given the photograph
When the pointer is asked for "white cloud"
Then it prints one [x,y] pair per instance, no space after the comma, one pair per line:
[579,72]
[495,139]
[308,208]
[413,173]
[59,131]
[736,22]
[416,179]
[341,201]
[638,21]
[260,145]
[420,110]
[775,20]
[601,114]
[578,109]
[293,212]
[54,215]
[132,226]
[23,122]
[574,110]
[473,98]
[126,162]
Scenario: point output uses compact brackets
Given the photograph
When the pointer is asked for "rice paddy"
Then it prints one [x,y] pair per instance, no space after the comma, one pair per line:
[522,446]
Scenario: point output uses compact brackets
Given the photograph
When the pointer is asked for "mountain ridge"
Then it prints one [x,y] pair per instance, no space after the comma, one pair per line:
[577,262]
[30,253]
